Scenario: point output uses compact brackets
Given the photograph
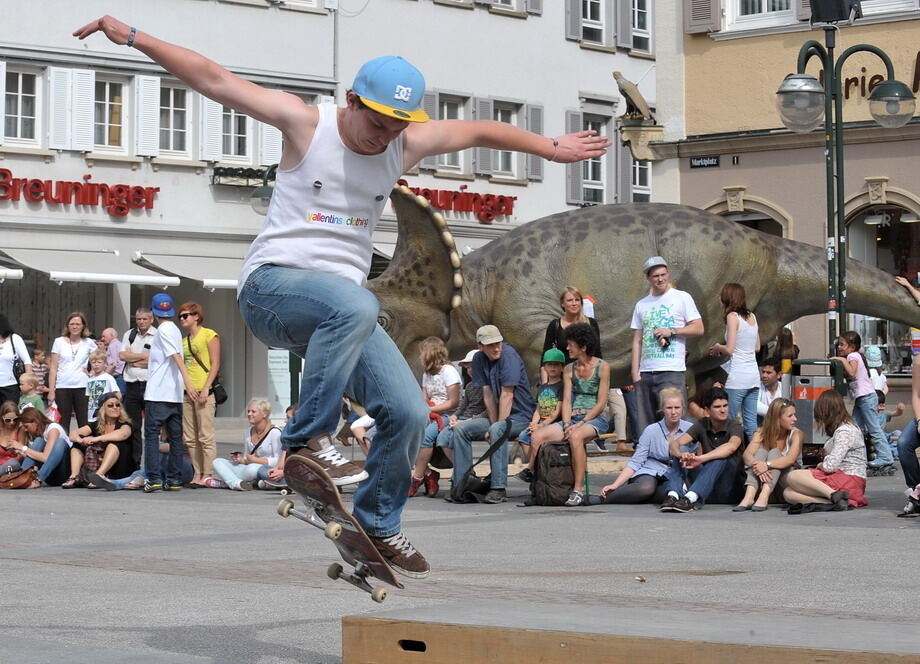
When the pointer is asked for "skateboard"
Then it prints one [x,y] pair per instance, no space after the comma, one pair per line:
[326,511]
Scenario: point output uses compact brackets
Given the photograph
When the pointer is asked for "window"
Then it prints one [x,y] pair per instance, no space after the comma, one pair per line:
[592,20]
[174,119]
[641,181]
[234,133]
[504,159]
[450,108]
[640,20]
[20,119]
[593,171]
[108,110]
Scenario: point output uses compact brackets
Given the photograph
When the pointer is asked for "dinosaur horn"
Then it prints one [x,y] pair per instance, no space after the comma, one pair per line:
[426,260]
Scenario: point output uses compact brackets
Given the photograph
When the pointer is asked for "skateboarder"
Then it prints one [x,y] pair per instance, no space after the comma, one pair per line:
[302,284]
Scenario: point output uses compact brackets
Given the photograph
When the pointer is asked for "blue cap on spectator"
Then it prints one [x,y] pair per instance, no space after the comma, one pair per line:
[162,306]
[393,87]
[873,356]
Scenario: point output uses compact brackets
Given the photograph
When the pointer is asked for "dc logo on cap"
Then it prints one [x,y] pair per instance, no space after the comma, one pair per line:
[402,93]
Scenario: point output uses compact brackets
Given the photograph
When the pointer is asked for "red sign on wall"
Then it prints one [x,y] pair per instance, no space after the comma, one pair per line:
[485,206]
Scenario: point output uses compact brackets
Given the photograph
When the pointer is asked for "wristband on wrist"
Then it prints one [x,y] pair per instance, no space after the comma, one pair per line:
[555,149]
[131,36]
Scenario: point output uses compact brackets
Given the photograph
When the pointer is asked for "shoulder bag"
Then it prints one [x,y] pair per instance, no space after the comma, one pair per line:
[18,479]
[470,488]
[19,366]
[220,394]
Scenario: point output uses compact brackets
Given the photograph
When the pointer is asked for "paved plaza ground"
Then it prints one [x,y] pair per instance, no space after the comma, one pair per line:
[215,576]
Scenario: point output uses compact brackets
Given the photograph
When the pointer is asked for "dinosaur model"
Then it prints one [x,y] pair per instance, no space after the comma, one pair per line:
[514,281]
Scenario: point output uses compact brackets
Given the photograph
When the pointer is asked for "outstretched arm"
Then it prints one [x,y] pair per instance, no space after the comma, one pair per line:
[910,288]
[274,107]
[443,136]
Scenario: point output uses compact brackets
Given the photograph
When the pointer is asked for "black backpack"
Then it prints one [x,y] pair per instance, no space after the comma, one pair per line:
[553,476]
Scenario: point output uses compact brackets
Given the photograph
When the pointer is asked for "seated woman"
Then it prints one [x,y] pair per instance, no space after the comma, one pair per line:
[96,446]
[9,437]
[774,450]
[584,398]
[639,480]
[47,449]
[262,443]
[840,479]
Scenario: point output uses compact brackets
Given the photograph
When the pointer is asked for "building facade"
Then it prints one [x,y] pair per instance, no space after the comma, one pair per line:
[728,152]
[117,180]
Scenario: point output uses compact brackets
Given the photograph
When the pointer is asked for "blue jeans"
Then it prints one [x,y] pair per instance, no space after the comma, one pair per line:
[54,459]
[865,412]
[331,322]
[907,453]
[431,434]
[647,391]
[188,472]
[168,415]
[715,481]
[746,402]
[469,430]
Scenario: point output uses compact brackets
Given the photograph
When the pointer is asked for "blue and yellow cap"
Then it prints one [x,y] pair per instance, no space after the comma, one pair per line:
[392,86]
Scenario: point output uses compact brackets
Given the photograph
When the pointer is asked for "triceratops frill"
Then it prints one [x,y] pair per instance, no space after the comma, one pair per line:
[514,281]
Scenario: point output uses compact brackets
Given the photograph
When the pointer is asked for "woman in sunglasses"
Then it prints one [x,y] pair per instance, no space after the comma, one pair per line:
[201,352]
[97,446]
[47,448]
[840,479]
[774,450]
[9,436]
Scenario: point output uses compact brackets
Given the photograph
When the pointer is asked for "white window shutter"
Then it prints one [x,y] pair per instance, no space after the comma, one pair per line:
[702,16]
[623,9]
[802,10]
[83,97]
[430,106]
[573,172]
[59,91]
[147,102]
[269,144]
[482,157]
[2,95]
[573,19]
[535,166]
[212,115]
[610,21]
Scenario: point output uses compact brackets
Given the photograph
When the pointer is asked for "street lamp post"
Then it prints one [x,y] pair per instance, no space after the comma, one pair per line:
[801,101]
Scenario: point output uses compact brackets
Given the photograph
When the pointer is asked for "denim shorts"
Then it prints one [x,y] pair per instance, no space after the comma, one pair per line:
[600,423]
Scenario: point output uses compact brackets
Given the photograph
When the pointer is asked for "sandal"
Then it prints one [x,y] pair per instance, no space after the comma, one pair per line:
[70,482]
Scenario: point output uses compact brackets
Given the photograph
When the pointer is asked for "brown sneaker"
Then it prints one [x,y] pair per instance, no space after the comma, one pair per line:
[402,556]
[341,470]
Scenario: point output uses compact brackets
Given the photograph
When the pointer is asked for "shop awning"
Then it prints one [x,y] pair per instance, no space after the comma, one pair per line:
[101,267]
[212,271]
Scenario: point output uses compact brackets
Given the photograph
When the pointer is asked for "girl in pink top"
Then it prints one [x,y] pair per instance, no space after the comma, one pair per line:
[865,408]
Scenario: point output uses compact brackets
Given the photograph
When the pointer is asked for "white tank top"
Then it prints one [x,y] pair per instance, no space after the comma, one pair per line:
[324,210]
[743,373]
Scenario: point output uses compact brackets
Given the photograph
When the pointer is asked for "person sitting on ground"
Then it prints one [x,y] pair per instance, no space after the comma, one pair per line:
[771,388]
[549,406]
[363,430]
[909,441]
[499,370]
[10,433]
[774,450]
[135,481]
[262,448]
[471,406]
[885,416]
[646,471]
[876,369]
[584,402]
[97,446]
[47,449]
[706,459]
[839,479]
[29,396]
[441,389]
[98,383]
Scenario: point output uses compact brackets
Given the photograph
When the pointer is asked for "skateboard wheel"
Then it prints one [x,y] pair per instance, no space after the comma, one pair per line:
[379,594]
[286,492]
[285,507]
[333,530]
[334,571]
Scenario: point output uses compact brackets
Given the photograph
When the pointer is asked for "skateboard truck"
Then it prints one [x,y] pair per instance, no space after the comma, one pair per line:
[333,530]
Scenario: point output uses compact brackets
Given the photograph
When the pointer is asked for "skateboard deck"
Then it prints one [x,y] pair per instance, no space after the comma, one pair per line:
[326,511]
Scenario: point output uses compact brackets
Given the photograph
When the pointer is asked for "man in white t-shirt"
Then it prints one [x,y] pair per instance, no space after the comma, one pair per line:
[661,322]
[771,387]
[135,350]
[167,379]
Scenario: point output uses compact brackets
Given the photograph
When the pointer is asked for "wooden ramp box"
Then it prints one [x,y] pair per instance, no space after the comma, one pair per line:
[509,632]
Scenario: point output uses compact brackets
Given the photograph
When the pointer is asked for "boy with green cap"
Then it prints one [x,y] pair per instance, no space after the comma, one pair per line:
[549,403]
